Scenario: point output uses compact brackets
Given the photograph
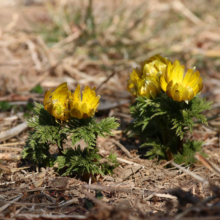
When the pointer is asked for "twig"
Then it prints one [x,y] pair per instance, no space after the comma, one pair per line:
[207,164]
[128,162]
[13,132]
[9,203]
[159,195]
[6,183]
[67,40]
[34,55]
[122,148]
[8,156]
[180,7]
[117,189]
[35,190]
[168,162]
[197,177]
[49,216]
[11,149]
[105,81]
[69,202]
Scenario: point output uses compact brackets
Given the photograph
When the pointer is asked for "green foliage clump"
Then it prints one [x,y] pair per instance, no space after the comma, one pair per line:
[161,124]
[79,161]
[47,131]
[88,129]
[37,152]
[189,149]
[85,161]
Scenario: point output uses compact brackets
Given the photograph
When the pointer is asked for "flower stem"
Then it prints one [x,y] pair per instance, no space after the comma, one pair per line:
[166,138]
[60,151]
[60,145]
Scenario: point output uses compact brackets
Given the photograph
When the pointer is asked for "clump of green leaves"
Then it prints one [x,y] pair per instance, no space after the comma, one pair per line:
[85,161]
[47,131]
[161,124]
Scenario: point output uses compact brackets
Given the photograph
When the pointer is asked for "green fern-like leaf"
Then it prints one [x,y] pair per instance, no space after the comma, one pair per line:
[165,121]
[88,129]
[79,161]
[189,150]
[37,152]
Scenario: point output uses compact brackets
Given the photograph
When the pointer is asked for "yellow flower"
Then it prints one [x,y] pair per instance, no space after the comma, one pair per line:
[144,81]
[84,107]
[133,82]
[56,102]
[156,64]
[178,86]
[148,87]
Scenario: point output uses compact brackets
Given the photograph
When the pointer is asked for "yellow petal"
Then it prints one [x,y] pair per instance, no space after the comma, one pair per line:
[76,113]
[87,94]
[169,88]
[95,102]
[174,72]
[138,72]
[47,96]
[91,112]
[168,72]
[77,95]
[133,82]
[48,105]
[200,83]
[84,108]
[161,67]
[131,87]
[61,92]
[185,94]
[177,96]
[194,79]
[180,74]
[89,103]
[187,77]
[198,87]
[66,115]
[163,83]
[190,93]
[56,102]
[75,110]
[176,87]
[149,69]
[153,89]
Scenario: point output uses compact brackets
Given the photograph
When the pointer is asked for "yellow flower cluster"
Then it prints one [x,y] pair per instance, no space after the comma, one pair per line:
[145,81]
[160,73]
[63,104]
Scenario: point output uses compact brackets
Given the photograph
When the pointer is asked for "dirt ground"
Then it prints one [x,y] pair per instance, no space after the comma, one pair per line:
[45,43]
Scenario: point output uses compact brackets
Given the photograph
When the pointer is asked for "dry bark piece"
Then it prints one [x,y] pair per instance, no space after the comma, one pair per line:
[207,164]
[122,148]
[59,182]
[4,168]
[7,156]
[10,149]
[13,132]
[127,171]
[128,162]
